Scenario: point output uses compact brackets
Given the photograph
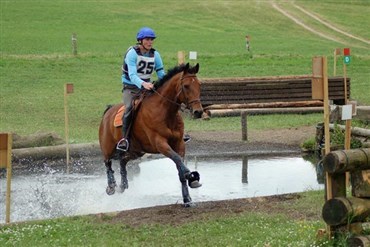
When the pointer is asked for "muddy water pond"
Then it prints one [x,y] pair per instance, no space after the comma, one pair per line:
[50,192]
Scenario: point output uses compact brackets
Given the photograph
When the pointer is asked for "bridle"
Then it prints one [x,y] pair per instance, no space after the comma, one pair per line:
[187,102]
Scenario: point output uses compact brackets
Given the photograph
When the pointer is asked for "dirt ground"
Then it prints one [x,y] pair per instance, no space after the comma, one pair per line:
[210,143]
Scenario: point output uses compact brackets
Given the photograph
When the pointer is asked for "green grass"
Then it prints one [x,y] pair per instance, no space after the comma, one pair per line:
[36,61]
[246,229]
[36,55]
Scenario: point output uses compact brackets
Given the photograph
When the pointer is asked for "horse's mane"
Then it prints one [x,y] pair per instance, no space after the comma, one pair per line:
[170,73]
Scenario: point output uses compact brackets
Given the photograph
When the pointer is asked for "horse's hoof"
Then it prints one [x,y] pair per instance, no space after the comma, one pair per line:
[189,205]
[123,188]
[195,184]
[110,190]
[193,179]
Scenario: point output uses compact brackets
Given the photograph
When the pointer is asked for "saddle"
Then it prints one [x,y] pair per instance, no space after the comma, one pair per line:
[117,122]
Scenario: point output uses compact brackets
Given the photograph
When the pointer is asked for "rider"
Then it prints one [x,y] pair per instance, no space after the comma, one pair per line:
[139,62]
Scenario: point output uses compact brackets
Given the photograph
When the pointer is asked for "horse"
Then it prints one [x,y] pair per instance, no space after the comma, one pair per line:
[157,127]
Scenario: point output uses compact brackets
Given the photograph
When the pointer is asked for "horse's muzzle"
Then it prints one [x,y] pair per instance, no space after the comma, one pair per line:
[197,113]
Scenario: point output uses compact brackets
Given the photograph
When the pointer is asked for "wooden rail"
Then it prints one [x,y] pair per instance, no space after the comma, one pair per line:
[267,89]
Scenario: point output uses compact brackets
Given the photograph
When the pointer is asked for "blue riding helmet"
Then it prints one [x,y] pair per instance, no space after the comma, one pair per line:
[145,32]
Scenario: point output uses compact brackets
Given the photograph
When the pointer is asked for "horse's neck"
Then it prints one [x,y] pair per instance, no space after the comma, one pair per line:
[169,92]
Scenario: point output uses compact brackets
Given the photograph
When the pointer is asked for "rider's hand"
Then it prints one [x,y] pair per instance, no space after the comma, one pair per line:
[147,85]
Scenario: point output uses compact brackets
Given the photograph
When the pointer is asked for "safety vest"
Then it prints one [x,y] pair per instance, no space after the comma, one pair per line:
[144,64]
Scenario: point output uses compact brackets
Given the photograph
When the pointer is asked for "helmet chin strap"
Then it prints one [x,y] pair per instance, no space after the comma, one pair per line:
[141,44]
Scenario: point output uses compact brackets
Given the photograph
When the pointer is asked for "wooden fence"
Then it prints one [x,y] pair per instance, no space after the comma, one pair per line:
[344,213]
[267,89]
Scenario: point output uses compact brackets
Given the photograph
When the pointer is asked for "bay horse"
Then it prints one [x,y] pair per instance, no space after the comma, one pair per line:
[157,127]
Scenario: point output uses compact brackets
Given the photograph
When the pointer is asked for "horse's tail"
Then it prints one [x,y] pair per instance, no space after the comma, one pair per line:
[108,107]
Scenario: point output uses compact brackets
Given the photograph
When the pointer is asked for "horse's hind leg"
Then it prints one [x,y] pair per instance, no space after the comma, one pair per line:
[124,181]
[110,176]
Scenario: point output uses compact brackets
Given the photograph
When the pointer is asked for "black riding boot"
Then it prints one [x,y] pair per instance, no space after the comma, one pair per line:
[123,144]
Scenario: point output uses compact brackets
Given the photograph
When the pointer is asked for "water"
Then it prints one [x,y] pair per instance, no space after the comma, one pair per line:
[51,193]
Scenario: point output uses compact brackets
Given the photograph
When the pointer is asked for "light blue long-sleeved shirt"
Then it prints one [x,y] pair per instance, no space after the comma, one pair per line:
[140,67]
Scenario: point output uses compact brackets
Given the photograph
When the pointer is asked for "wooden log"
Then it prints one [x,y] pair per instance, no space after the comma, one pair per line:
[342,210]
[266,105]
[38,139]
[56,152]
[363,113]
[347,160]
[260,111]
[359,241]
[360,182]
[354,130]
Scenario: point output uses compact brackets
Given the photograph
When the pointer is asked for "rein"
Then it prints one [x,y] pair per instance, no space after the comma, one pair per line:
[187,103]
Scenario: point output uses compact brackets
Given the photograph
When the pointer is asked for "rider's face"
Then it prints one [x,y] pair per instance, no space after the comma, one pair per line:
[147,43]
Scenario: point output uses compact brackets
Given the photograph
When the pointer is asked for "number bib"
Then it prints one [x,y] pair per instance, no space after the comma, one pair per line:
[145,67]
[145,64]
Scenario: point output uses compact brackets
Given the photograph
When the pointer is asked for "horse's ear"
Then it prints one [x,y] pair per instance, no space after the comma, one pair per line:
[187,67]
[196,68]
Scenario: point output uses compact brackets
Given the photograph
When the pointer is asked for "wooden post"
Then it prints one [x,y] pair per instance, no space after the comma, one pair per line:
[347,140]
[336,52]
[247,42]
[5,162]
[245,169]
[180,57]
[244,126]
[324,71]
[68,88]
[347,133]
[326,104]
[74,44]
[320,89]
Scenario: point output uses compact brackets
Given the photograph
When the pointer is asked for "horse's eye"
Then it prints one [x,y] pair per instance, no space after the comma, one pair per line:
[186,86]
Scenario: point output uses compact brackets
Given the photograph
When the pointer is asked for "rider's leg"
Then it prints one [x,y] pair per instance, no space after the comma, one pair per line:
[126,118]
[123,144]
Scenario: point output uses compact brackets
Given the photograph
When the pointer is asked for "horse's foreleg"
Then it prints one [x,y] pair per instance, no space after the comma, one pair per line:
[184,173]
[124,181]
[110,176]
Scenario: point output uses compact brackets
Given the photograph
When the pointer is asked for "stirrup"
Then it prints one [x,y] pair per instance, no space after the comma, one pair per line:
[123,145]
[186,138]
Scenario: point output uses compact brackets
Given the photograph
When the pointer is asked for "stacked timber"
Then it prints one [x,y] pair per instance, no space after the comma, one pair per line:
[261,90]
[342,211]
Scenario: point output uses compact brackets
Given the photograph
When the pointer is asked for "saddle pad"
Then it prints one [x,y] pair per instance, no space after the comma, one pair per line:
[118,118]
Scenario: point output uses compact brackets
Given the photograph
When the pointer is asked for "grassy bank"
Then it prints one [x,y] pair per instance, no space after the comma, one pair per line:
[242,229]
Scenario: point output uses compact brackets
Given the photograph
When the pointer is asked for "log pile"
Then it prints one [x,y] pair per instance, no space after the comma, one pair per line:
[342,212]
[219,95]
[266,89]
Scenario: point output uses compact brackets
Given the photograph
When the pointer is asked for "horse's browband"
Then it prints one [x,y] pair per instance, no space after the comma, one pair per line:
[188,76]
